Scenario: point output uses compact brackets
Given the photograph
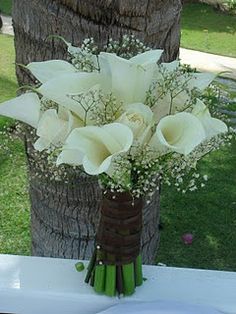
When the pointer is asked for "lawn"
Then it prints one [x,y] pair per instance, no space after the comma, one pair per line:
[208,213]
[5,6]
[8,83]
[205,29]
[14,204]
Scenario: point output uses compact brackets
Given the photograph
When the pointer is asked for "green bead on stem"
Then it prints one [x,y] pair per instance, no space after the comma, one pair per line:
[79,266]
[128,278]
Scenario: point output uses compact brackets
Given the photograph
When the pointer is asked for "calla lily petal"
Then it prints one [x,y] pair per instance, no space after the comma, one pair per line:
[53,128]
[99,145]
[71,157]
[171,66]
[42,144]
[25,108]
[180,133]
[46,70]
[212,126]
[130,80]
[201,80]
[62,89]
[150,56]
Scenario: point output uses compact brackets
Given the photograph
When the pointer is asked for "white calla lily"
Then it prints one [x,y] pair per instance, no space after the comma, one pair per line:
[130,79]
[64,89]
[46,70]
[98,144]
[139,118]
[212,126]
[25,108]
[179,133]
[53,128]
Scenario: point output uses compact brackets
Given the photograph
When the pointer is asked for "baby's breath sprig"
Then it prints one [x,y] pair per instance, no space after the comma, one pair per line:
[126,47]
[168,86]
[108,111]
[85,57]
[88,102]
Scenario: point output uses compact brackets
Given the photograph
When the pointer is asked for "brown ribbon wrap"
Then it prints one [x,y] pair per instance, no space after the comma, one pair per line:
[119,231]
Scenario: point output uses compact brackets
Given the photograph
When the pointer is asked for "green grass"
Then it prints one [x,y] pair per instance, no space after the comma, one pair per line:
[205,29]
[209,214]
[14,204]
[5,6]
[8,85]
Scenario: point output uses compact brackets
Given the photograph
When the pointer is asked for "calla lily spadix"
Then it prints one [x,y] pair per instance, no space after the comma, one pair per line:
[46,70]
[98,145]
[53,128]
[62,89]
[179,133]
[130,79]
[25,108]
[212,126]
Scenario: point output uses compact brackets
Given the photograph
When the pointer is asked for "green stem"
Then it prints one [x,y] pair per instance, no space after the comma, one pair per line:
[92,278]
[138,271]
[128,278]
[91,266]
[110,284]
[99,280]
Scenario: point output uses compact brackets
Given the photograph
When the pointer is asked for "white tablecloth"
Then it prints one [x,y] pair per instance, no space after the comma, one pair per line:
[32,285]
[159,307]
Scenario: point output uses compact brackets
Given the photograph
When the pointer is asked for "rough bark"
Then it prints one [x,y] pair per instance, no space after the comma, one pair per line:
[64,216]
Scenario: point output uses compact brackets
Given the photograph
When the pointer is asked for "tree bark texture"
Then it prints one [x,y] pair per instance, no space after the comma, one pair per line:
[64,216]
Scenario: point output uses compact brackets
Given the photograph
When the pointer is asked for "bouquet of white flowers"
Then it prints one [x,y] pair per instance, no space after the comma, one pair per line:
[132,121]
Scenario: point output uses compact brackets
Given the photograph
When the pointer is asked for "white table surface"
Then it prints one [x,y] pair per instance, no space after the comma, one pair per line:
[36,285]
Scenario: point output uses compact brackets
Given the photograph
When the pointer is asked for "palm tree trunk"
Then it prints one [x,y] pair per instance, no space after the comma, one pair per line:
[64,216]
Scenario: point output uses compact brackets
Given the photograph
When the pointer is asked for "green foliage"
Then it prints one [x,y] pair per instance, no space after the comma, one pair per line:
[205,29]
[5,7]
[231,4]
